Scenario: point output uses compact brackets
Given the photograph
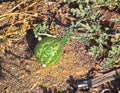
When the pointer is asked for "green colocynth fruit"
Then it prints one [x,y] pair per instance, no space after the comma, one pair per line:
[48,51]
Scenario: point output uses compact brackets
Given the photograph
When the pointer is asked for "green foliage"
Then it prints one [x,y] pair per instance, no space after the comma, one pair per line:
[41,28]
[95,50]
[103,43]
[116,20]
[115,51]
[109,3]
[67,36]
[109,62]
[85,38]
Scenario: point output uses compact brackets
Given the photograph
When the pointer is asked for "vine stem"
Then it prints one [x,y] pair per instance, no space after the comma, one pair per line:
[45,34]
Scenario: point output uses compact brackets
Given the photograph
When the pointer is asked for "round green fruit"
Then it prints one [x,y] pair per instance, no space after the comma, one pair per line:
[48,51]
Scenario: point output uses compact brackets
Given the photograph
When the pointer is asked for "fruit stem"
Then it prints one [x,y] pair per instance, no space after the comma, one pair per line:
[45,34]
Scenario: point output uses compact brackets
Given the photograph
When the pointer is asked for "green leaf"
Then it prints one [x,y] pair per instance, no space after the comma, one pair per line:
[41,28]
[95,51]
[109,62]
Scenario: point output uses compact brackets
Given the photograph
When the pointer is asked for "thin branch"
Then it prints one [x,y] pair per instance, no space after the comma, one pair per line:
[16,6]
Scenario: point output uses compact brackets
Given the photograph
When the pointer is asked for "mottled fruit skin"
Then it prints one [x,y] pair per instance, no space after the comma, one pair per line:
[48,51]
